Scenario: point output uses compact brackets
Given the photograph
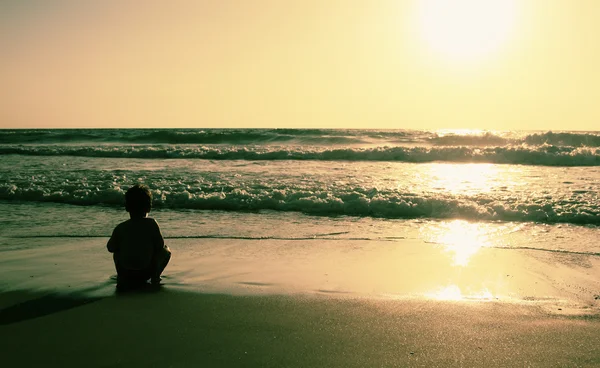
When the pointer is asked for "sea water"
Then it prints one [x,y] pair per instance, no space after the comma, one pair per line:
[533,190]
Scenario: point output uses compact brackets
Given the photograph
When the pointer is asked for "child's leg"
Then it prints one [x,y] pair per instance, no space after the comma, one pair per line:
[160,263]
[130,279]
[116,263]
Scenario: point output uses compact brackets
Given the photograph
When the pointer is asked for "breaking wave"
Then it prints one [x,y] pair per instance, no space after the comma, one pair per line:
[487,139]
[200,136]
[348,201]
[299,137]
[545,155]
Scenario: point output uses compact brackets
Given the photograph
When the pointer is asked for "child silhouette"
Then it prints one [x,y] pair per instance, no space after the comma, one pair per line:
[138,248]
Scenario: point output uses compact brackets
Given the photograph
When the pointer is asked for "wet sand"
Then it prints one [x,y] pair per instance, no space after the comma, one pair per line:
[183,329]
[270,304]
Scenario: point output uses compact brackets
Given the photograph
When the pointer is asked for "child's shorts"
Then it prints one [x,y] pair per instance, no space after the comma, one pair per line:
[129,279]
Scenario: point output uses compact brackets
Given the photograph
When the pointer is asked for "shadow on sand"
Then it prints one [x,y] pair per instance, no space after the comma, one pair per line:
[56,302]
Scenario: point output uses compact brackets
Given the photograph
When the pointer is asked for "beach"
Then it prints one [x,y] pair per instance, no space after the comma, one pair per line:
[178,329]
[332,183]
[250,303]
[304,248]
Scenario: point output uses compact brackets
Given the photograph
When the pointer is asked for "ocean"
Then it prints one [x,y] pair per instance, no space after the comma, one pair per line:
[462,190]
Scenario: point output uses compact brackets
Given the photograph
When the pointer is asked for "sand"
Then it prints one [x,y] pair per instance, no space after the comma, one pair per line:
[183,329]
[299,304]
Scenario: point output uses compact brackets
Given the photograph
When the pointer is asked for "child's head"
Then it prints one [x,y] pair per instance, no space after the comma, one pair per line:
[138,200]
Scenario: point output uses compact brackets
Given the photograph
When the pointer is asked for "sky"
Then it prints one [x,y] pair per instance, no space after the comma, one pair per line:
[392,64]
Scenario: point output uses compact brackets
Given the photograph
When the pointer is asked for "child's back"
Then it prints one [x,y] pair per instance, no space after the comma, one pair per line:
[137,245]
[135,242]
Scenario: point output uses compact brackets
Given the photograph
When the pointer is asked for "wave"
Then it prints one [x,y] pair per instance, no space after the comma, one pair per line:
[238,137]
[299,137]
[568,139]
[345,202]
[564,139]
[487,139]
[194,136]
[545,155]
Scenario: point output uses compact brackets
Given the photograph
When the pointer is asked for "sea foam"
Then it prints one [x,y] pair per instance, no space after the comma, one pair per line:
[351,201]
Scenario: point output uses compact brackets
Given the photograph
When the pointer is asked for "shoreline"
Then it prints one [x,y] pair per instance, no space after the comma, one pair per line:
[402,270]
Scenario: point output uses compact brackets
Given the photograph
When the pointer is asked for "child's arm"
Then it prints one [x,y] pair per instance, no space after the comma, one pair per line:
[158,240]
[162,254]
[113,242]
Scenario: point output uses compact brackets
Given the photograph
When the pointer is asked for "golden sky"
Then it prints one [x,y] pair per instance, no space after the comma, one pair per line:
[301,63]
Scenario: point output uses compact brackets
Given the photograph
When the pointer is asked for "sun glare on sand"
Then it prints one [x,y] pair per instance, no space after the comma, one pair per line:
[453,292]
[462,240]
[466,30]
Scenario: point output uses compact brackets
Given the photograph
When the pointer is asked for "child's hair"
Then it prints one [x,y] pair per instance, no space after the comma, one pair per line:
[138,199]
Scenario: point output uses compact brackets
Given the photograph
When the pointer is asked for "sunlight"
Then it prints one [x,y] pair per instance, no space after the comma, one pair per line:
[466,30]
[453,293]
[460,132]
[465,179]
[461,238]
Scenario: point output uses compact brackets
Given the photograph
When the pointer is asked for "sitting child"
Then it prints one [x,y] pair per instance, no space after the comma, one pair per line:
[137,245]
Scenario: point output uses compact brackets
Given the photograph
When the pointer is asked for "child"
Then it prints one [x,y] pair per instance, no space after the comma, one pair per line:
[137,245]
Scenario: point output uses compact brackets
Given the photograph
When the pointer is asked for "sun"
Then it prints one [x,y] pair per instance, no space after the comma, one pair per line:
[466,30]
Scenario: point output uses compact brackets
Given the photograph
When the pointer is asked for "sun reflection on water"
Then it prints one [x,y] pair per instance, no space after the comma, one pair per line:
[466,178]
[463,239]
[453,292]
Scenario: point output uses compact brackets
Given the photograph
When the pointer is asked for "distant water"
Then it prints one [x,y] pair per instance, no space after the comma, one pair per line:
[527,148]
[385,179]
